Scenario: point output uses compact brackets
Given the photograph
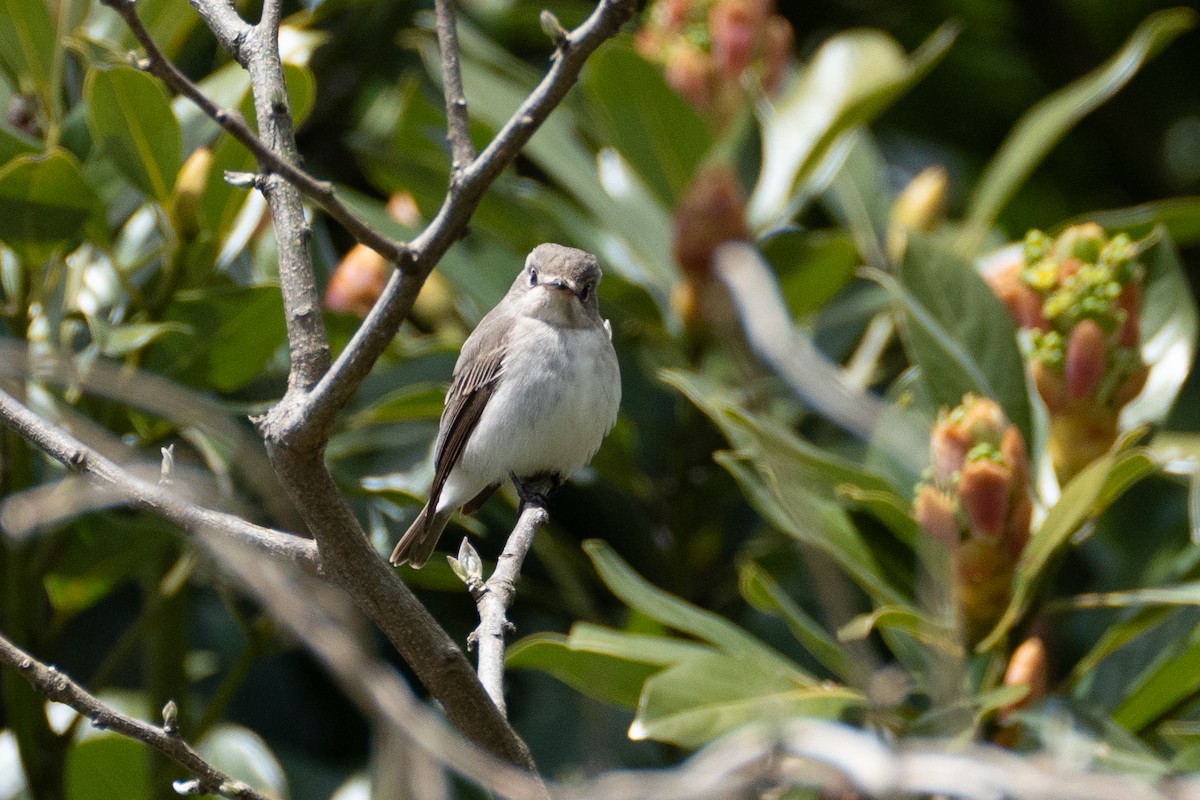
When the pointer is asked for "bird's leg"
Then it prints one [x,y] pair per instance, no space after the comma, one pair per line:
[534,490]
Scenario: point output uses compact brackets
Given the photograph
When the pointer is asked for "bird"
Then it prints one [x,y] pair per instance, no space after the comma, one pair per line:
[535,390]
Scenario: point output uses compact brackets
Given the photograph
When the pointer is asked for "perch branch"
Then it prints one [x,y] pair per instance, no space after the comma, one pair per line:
[461,150]
[56,686]
[495,597]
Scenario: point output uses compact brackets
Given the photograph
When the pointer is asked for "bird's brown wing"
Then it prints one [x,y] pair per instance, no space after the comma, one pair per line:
[475,379]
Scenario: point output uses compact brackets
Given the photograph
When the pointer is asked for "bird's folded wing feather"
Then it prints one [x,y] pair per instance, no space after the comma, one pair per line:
[475,379]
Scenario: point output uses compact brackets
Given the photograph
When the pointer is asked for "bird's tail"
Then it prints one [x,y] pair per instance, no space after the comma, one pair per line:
[416,545]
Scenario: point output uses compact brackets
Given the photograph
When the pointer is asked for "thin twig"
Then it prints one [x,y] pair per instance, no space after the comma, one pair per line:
[104,472]
[461,149]
[497,595]
[56,686]
[320,192]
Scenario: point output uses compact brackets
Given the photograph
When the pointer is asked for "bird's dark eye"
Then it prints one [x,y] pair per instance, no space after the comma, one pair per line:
[532,276]
[585,291]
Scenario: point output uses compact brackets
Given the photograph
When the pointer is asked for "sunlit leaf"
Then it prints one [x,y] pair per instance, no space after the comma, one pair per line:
[641,647]
[853,77]
[958,332]
[1169,324]
[599,676]
[649,124]
[920,626]
[130,118]
[1179,215]
[245,756]
[674,612]
[699,699]
[1036,133]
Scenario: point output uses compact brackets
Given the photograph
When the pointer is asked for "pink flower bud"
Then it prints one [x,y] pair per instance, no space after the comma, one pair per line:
[778,42]
[983,492]
[710,213]
[1086,356]
[689,71]
[949,445]
[1050,386]
[1130,301]
[735,27]
[357,282]
[935,512]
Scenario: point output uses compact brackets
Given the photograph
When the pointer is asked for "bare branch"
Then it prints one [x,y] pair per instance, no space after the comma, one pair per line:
[144,494]
[496,596]
[56,686]
[461,148]
[221,17]
[316,413]
[320,192]
[317,616]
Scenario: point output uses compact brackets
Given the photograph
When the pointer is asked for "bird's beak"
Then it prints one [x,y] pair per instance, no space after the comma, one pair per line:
[559,284]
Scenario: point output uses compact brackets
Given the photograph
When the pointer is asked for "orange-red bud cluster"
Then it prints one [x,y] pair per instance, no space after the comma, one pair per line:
[708,47]
[1079,298]
[975,500]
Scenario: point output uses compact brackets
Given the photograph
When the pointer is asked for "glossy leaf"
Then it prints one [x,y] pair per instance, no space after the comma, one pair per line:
[599,676]
[27,43]
[245,756]
[1036,133]
[130,118]
[1179,215]
[233,333]
[1174,680]
[674,612]
[641,647]
[1089,493]
[652,127]
[1170,325]
[107,766]
[959,333]
[45,204]
[699,699]
[917,625]
[851,79]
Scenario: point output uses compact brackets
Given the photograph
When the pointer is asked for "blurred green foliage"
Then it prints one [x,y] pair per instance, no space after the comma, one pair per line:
[731,554]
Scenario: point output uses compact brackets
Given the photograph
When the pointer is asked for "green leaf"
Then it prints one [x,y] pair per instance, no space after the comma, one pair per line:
[812,266]
[787,505]
[234,332]
[1089,493]
[920,626]
[1036,133]
[700,699]
[1175,679]
[602,677]
[245,756]
[849,81]
[130,117]
[1169,327]
[418,401]
[107,766]
[45,204]
[643,648]
[1179,215]
[674,612]
[959,333]
[1184,594]
[762,592]
[650,125]
[27,44]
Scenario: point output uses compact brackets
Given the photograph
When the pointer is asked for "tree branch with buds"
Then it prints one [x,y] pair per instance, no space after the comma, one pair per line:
[57,686]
